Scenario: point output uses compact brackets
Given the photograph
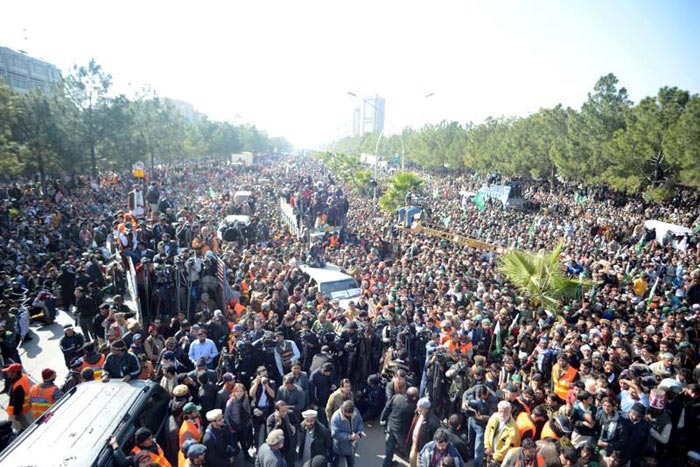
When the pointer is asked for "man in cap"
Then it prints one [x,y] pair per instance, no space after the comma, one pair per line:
[43,395]
[636,436]
[191,428]
[314,438]
[145,448]
[71,344]
[120,363]
[269,454]
[423,427]
[224,394]
[18,407]
[397,417]
[196,456]
[218,438]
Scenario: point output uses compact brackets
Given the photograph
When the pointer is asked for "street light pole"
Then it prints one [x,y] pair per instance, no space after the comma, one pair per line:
[399,133]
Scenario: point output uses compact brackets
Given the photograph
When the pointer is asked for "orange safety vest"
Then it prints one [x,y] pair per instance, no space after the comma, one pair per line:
[188,430]
[24,382]
[158,459]
[96,367]
[547,432]
[41,399]
[525,424]
[561,389]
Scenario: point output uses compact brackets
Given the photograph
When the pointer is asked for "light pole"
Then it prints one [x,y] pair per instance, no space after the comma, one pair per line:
[403,146]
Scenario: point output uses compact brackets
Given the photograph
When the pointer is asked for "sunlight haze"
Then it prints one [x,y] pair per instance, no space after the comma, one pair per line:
[287,67]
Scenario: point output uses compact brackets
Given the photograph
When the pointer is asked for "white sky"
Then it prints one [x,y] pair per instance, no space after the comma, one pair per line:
[287,66]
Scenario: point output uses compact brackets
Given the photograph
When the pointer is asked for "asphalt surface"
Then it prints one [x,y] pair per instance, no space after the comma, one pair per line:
[43,352]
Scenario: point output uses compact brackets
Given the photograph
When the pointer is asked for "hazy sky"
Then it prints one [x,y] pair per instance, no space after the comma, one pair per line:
[287,66]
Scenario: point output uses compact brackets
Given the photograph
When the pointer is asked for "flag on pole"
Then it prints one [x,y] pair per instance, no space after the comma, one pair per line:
[479,201]
[640,245]
[212,193]
[497,335]
[580,199]
[531,230]
[653,291]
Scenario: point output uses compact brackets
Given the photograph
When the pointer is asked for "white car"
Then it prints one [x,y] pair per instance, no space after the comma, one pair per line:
[333,282]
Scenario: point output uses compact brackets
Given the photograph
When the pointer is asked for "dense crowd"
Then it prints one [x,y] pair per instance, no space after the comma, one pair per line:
[454,362]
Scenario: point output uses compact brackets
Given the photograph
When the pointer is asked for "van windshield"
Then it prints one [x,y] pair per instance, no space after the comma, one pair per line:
[340,289]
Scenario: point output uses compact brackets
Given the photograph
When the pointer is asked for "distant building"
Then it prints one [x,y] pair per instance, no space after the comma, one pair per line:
[185,109]
[24,73]
[373,114]
[356,121]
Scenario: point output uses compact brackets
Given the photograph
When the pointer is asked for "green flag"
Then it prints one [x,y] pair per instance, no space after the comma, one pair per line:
[640,245]
[498,343]
[212,193]
[531,230]
[580,199]
[446,221]
[479,201]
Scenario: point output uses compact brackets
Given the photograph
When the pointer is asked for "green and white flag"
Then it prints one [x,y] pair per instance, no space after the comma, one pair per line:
[497,335]
[531,230]
[479,201]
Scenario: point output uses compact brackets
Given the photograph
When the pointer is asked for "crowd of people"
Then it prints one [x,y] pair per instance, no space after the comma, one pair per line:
[454,362]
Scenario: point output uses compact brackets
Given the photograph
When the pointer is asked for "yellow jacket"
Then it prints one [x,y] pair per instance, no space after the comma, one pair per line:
[508,438]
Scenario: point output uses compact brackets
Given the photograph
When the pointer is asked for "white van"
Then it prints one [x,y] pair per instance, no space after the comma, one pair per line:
[75,431]
[333,282]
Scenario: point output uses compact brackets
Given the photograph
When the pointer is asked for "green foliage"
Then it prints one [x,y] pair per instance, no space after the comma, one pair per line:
[398,186]
[80,126]
[541,278]
[658,194]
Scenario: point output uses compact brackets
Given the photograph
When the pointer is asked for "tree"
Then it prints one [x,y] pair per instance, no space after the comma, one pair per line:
[87,87]
[9,147]
[636,155]
[36,127]
[399,186]
[682,143]
[541,278]
[588,131]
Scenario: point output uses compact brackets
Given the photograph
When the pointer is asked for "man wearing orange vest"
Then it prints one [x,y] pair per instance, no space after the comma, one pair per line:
[92,360]
[191,428]
[524,456]
[43,395]
[563,376]
[145,447]
[18,409]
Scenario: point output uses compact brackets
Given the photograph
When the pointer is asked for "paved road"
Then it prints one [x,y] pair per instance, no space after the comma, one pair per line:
[42,352]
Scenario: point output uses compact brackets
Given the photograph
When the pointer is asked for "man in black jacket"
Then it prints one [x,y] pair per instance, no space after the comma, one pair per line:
[314,438]
[218,438]
[279,420]
[320,388]
[454,428]
[120,363]
[85,312]
[397,416]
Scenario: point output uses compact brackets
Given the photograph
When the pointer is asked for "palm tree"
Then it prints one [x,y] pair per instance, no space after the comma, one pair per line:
[399,186]
[361,182]
[540,277]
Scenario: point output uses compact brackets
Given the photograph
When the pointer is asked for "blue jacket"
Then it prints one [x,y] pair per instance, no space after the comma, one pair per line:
[341,429]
